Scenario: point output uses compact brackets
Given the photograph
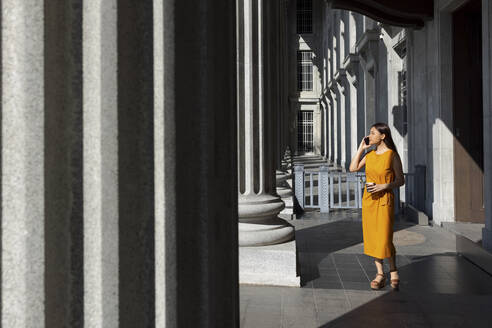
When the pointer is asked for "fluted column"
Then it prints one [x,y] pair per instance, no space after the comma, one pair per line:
[335,131]
[329,130]
[342,119]
[101,261]
[284,70]
[353,76]
[259,203]
[106,221]
[23,214]
[275,64]
[196,225]
[324,127]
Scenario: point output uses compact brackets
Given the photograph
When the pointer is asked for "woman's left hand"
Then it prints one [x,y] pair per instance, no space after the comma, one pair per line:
[377,187]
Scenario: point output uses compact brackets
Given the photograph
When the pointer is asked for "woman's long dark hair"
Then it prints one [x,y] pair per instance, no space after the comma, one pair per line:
[383,128]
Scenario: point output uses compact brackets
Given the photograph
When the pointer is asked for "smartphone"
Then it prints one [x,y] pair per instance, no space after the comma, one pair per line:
[366,140]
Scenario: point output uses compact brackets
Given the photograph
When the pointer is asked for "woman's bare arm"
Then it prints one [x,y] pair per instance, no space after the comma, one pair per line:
[356,164]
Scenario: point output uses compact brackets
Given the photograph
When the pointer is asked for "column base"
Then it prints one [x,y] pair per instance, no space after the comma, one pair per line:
[281,176]
[259,224]
[286,195]
[269,232]
[274,265]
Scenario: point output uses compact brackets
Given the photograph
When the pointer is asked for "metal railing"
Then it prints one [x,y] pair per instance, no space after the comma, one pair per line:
[325,189]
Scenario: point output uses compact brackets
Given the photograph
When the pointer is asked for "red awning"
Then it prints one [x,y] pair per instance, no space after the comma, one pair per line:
[406,13]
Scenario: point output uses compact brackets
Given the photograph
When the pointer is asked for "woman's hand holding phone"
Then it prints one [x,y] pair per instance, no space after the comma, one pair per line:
[363,145]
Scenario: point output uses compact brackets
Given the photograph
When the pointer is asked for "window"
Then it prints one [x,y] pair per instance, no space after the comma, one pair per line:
[304,16]
[305,70]
[305,131]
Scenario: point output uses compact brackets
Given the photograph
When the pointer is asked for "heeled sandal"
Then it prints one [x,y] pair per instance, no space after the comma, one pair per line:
[378,284]
[395,283]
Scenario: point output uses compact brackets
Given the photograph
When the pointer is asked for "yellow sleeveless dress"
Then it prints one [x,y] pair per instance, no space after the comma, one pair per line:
[378,208]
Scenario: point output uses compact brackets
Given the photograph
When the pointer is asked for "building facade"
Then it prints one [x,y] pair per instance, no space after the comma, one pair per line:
[410,76]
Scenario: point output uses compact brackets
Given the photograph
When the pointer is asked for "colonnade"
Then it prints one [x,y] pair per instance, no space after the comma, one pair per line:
[119,164]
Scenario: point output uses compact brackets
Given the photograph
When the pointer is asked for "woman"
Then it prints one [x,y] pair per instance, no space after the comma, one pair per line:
[384,171]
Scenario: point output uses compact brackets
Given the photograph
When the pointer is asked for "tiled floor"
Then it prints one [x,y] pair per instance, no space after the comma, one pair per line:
[437,289]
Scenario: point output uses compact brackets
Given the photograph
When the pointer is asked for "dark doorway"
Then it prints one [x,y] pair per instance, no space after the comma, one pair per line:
[468,113]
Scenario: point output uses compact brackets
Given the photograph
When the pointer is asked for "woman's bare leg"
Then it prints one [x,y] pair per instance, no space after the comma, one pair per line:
[393,272]
[379,267]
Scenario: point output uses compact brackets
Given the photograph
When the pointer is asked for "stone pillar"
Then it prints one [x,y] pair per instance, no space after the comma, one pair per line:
[284,174]
[353,143]
[63,170]
[330,126]
[361,105]
[196,223]
[368,49]
[276,69]
[333,121]
[352,69]
[23,199]
[344,92]
[340,107]
[352,74]
[357,73]
[259,204]
[487,120]
[329,76]
[258,201]
[324,127]
[338,48]
[135,163]
[286,75]
[101,217]
[105,220]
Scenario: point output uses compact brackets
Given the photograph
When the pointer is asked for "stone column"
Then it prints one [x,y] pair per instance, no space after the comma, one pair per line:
[195,164]
[352,69]
[329,98]
[335,138]
[101,217]
[336,95]
[353,143]
[285,74]
[324,127]
[259,204]
[361,105]
[105,219]
[273,43]
[368,48]
[329,123]
[344,115]
[284,180]
[23,201]
[352,73]
[487,120]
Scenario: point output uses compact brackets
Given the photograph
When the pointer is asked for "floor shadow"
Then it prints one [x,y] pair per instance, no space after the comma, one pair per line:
[318,247]
[438,290]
